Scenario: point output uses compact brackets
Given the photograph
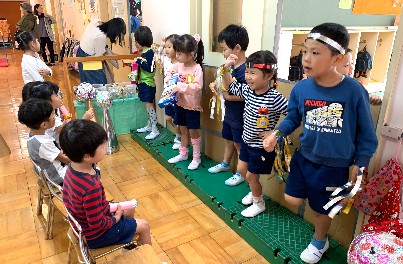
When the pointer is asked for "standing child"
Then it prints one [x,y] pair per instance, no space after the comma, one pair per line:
[38,116]
[84,142]
[263,106]
[169,60]
[189,52]
[233,40]
[146,82]
[33,68]
[338,131]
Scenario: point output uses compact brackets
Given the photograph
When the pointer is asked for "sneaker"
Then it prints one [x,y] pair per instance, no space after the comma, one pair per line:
[248,199]
[178,158]
[177,140]
[219,168]
[312,255]
[176,145]
[194,165]
[152,135]
[144,129]
[254,209]
[234,180]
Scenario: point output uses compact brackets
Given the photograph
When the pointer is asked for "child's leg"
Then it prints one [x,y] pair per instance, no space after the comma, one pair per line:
[254,183]
[183,149]
[196,143]
[255,197]
[129,213]
[143,229]
[152,115]
[228,151]
[184,136]
[322,225]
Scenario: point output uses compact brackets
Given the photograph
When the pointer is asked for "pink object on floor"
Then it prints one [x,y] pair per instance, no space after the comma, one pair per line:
[113,207]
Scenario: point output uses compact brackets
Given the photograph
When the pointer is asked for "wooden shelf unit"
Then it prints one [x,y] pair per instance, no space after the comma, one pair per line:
[378,40]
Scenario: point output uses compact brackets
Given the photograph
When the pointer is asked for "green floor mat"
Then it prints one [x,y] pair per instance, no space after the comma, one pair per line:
[277,234]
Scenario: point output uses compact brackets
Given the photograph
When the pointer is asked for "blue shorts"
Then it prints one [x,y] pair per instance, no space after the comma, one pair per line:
[259,160]
[146,93]
[188,118]
[309,180]
[120,233]
[170,110]
[230,133]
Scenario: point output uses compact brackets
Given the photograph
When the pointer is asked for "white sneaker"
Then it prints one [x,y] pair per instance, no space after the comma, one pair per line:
[144,129]
[234,180]
[248,199]
[177,140]
[312,255]
[194,165]
[219,168]
[254,209]
[176,145]
[152,135]
[177,159]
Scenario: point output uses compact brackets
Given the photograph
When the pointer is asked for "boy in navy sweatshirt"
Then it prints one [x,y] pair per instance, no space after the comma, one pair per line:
[338,131]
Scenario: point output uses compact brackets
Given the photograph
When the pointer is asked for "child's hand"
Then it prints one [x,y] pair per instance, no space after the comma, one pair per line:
[89,114]
[43,71]
[118,213]
[270,142]
[231,60]
[213,87]
[264,134]
[375,99]
[354,172]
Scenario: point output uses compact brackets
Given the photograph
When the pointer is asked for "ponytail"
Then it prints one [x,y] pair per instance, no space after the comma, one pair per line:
[200,53]
[23,40]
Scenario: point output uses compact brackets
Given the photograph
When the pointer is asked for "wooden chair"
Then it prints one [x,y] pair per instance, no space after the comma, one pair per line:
[84,253]
[51,196]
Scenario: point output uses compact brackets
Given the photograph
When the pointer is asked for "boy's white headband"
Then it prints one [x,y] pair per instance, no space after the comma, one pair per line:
[326,40]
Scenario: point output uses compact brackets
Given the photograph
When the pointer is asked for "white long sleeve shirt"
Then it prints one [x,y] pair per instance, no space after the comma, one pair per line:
[93,41]
[30,66]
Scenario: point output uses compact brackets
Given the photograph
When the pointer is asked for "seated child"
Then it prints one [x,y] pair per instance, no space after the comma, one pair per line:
[84,142]
[38,116]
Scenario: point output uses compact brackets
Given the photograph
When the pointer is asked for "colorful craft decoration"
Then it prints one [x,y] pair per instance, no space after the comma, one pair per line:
[122,90]
[281,166]
[218,97]
[104,100]
[113,207]
[85,92]
[168,96]
[133,76]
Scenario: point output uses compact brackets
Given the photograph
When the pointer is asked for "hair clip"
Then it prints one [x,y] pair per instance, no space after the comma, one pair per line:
[197,38]
[326,40]
[275,84]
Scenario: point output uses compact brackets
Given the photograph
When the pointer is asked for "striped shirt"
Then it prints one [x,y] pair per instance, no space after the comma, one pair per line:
[262,111]
[84,197]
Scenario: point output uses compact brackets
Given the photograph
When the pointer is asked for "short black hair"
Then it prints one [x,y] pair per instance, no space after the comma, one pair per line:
[114,29]
[26,90]
[40,90]
[143,36]
[80,137]
[264,57]
[33,112]
[335,32]
[233,35]
[23,39]
[187,44]
[172,38]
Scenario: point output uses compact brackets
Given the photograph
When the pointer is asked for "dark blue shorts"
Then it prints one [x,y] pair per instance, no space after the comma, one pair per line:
[146,93]
[170,110]
[259,160]
[309,180]
[188,118]
[120,233]
[230,133]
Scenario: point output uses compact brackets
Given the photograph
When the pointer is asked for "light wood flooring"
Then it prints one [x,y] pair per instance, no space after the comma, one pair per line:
[184,230]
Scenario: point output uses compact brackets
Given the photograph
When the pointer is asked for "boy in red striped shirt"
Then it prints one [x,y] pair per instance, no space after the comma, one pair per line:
[84,142]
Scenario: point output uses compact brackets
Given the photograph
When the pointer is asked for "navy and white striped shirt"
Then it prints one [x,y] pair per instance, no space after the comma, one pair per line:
[257,107]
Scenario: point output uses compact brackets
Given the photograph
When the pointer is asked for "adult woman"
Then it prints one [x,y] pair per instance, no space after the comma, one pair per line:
[28,20]
[45,33]
[93,43]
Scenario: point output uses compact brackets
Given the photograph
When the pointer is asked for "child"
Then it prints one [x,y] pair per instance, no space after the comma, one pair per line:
[346,67]
[338,130]
[84,142]
[169,60]
[146,82]
[190,53]
[233,40]
[50,92]
[38,116]
[33,68]
[263,106]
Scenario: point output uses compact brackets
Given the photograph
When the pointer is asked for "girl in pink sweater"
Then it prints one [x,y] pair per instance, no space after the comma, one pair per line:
[189,53]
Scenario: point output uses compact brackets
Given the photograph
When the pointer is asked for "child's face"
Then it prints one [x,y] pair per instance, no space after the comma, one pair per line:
[226,51]
[317,59]
[346,65]
[138,46]
[169,50]
[56,101]
[99,153]
[256,80]
[184,58]
[50,122]
[35,45]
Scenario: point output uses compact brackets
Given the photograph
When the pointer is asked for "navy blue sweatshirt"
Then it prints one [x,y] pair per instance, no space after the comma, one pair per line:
[338,130]
[234,109]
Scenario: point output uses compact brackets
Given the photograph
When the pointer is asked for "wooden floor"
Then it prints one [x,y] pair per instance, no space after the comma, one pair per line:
[184,230]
